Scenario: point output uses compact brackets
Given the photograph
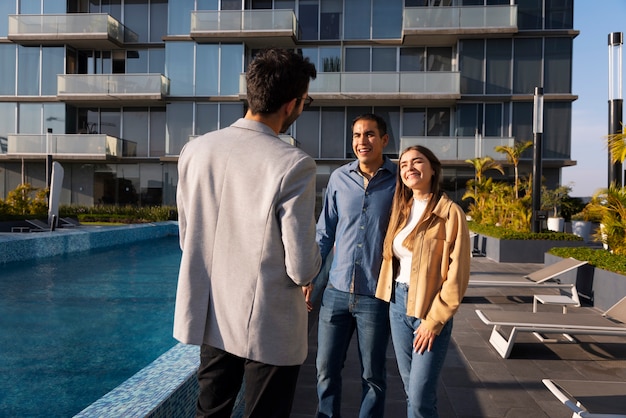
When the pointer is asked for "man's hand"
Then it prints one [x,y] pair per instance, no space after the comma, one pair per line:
[308,293]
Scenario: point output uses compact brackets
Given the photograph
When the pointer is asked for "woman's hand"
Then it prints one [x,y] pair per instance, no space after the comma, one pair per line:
[308,293]
[424,339]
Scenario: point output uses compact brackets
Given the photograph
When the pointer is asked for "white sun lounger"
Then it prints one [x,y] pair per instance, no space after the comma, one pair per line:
[590,399]
[612,322]
[542,278]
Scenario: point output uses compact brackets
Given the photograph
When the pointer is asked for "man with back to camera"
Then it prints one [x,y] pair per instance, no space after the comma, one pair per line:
[354,220]
[247,232]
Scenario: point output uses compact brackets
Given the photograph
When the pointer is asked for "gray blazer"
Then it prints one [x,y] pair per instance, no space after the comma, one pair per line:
[247,230]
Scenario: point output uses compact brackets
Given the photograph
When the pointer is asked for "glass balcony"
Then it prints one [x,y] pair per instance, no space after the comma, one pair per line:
[420,21]
[279,27]
[80,30]
[441,84]
[458,147]
[96,146]
[112,86]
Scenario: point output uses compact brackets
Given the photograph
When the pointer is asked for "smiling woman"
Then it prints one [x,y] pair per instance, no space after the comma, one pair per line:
[76,326]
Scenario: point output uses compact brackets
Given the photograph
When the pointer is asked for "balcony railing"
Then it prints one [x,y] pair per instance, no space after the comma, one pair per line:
[98,146]
[112,86]
[458,147]
[388,83]
[253,25]
[77,29]
[460,19]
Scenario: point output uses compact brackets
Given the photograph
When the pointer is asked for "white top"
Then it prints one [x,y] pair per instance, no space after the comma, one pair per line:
[399,251]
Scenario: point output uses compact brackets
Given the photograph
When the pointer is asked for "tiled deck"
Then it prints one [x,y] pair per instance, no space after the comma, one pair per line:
[476,381]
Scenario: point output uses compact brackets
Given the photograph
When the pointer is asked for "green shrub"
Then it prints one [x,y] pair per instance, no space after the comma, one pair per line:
[599,258]
[505,233]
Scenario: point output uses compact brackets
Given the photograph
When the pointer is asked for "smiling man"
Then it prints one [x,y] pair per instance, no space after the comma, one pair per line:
[354,220]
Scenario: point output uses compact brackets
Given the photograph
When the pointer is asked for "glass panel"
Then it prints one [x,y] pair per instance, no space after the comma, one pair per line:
[529,14]
[438,122]
[7,7]
[557,130]
[7,69]
[357,20]
[52,6]
[231,5]
[357,59]
[178,56]
[29,118]
[330,59]
[229,113]
[110,122]
[206,118]
[7,120]
[136,18]
[207,70]
[157,61]
[28,71]
[54,117]
[388,21]
[231,66]
[179,17]
[471,58]
[53,61]
[261,4]
[30,7]
[391,115]
[527,65]
[559,14]
[114,8]
[384,59]
[285,4]
[330,19]
[558,65]
[137,61]
[493,119]
[150,184]
[157,132]
[136,128]
[307,18]
[332,134]
[412,59]
[158,20]
[307,132]
[498,66]
[439,59]
[179,126]
[469,118]
[414,122]
[207,5]
[523,120]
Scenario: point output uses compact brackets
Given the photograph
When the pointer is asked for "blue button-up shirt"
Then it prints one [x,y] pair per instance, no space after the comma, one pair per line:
[354,221]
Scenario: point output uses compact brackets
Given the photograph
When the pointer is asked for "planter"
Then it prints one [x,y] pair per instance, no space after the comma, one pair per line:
[582,229]
[596,287]
[556,224]
[519,251]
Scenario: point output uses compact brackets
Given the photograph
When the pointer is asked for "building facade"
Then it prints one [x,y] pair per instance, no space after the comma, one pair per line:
[113,89]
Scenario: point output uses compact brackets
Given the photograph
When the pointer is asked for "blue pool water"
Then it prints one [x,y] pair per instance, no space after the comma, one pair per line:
[74,327]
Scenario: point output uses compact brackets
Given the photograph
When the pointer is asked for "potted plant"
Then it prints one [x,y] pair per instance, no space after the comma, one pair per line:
[610,205]
[581,225]
[552,200]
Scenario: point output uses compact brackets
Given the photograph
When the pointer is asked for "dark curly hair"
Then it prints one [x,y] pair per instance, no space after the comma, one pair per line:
[275,77]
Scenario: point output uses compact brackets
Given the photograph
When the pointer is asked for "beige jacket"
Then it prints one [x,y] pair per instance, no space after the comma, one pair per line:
[246,205]
[440,267]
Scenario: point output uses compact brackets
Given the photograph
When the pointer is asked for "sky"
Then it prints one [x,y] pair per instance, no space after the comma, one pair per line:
[595,19]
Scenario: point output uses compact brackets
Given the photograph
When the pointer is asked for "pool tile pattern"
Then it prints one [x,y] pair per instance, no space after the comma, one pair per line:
[167,388]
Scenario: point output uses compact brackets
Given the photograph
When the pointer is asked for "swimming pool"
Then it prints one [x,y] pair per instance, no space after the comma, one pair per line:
[74,327]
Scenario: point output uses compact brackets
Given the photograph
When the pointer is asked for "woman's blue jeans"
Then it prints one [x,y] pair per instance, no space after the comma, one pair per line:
[340,315]
[419,372]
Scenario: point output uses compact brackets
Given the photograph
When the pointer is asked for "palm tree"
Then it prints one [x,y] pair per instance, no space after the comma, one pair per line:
[513,155]
[481,165]
[617,146]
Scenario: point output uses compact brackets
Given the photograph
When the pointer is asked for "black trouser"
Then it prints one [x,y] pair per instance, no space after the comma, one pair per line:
[269,390]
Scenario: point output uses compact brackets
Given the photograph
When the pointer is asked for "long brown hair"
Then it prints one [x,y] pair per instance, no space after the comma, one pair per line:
[403,200]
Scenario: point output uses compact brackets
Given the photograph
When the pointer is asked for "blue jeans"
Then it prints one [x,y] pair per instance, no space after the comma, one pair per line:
[340,314]
[419,372]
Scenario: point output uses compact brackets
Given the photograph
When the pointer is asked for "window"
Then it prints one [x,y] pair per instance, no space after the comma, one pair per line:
[557,130]
[527,65]
[158,20]
[439,59]
[157,132]
[414,122]
[330,19]
[7,69]
[412,59]
[207,70]
[559,14]
[6,8]
[179,20]
[308,19]
[386,20]
[471,63]
[558,65]
[178,56]
[529,14]
[438,122]
[384,59]
[179,126]
[28,71]
[52,61]
[136,128]
[136,18]
[357,20]
[498,66]
[332,144]
[307,132]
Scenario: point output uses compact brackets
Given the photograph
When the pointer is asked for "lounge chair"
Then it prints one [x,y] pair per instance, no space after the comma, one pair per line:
[68,222]
[38,226]
[590,399]
[612,322]
[544,278]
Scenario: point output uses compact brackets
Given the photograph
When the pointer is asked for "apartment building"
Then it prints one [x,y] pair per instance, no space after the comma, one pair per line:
[113,89]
